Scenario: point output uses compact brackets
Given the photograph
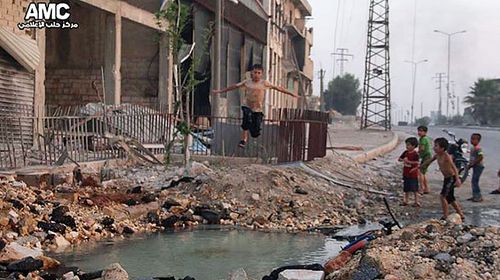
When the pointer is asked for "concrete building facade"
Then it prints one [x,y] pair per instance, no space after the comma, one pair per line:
[118,54]
[289,48]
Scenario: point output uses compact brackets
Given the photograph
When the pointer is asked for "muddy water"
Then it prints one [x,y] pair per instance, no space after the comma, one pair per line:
[209,254]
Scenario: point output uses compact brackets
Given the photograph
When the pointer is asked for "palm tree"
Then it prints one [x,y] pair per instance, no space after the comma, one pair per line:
[484,99]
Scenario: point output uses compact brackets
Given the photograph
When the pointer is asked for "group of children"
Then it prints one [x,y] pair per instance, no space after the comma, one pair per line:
[416,164]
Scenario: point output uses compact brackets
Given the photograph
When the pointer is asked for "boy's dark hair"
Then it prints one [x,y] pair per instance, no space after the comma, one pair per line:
[442,142]
[257,67]
[477,135]
[412,141]
[423,128]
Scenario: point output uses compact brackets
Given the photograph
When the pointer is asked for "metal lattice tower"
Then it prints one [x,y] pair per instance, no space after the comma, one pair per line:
[376,107]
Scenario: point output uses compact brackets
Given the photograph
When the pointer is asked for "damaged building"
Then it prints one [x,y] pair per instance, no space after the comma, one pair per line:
[119,55]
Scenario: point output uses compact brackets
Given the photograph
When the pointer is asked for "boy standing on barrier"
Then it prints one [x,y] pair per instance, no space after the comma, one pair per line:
[254,102]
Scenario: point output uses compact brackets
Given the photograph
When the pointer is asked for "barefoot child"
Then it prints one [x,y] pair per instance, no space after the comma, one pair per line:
[450,174]
[410,171]
[425,152]
[476,164]
[254,102]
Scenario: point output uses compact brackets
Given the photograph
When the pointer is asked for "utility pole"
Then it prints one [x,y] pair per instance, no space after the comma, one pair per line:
[449,35]
[414,68]
[452,96]
[217,67]
[458,106]
[440,78]
[343,53]
[322,90]
[421,109]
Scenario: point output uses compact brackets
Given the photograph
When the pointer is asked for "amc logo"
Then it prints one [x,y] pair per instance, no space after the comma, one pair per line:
[47,11]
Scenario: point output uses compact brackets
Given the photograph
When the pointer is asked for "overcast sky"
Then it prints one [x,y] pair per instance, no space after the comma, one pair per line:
[474,54]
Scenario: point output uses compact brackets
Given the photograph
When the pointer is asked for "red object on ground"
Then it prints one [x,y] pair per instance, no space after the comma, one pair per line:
[345,255]
[336,263]
[359,245]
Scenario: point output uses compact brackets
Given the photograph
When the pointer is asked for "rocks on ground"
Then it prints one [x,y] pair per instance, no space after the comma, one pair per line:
[430,250]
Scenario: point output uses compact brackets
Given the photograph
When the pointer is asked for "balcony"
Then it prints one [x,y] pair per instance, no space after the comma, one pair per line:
[304,7]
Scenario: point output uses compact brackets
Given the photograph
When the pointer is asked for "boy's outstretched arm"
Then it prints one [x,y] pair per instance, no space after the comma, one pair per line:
[229,88]
[281,89]
[428,162]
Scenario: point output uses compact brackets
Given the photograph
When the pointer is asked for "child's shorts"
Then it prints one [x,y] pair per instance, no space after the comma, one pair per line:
[251,121]
[448,190]
[410,184]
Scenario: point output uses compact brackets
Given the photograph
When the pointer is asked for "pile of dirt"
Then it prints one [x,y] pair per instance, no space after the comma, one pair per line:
[429,250]
[149,198]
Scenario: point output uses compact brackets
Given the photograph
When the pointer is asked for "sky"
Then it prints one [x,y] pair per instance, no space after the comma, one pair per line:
[474,54]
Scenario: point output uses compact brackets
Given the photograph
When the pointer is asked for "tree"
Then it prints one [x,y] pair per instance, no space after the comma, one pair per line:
[425,121]
[484,99]
[442,120]
[457,120]
[175,20]
[343,94]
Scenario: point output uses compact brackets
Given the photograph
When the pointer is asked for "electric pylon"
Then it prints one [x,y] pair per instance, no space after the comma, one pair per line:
[376,105]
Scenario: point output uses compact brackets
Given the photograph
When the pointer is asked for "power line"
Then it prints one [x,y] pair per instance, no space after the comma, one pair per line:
[335,37]
[343,53]
[440,77]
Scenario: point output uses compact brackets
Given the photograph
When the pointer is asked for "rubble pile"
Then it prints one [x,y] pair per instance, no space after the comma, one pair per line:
[149,198]
[429,250]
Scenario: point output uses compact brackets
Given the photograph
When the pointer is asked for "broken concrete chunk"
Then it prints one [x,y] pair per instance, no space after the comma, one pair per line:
[301,275]
[114,272]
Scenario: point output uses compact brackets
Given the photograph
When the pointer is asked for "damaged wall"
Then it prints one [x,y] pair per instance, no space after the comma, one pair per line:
[12,12]
[75,58]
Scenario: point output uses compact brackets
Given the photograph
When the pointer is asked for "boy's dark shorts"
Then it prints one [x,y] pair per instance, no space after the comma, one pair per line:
[448,190]
[410,185]
[251,121]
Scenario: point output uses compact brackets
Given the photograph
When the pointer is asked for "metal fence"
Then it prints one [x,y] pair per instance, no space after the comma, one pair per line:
[95,132]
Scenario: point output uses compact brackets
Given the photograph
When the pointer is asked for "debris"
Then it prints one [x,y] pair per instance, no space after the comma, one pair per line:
[454,219]
[27,264]
[114,272]
[300,190]
[14,252]
[301,275]
[239,274]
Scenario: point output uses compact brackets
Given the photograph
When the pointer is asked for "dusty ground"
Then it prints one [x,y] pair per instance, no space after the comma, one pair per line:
[430,250]
[133,199]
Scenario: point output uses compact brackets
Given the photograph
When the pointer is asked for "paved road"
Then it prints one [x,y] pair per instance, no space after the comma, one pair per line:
[485,213]
[490,144]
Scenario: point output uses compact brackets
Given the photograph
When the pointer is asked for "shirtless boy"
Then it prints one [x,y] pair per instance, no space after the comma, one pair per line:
[254,102]
[450,174]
